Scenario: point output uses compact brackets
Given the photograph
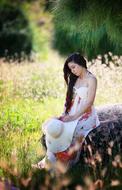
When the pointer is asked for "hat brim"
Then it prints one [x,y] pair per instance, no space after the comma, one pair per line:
[63,142]
[45,124]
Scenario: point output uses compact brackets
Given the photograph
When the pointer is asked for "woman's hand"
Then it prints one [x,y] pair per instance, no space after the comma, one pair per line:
[67,118]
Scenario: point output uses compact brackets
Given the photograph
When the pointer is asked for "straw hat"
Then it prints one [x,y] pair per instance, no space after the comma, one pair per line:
[58,134]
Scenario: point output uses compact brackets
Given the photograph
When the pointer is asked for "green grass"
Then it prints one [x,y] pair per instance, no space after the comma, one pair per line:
[32,93]
[20,128]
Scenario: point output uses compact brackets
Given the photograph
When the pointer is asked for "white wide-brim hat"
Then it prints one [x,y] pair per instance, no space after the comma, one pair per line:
[58,134]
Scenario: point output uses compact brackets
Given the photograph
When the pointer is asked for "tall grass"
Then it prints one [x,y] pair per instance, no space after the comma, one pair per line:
[32,92]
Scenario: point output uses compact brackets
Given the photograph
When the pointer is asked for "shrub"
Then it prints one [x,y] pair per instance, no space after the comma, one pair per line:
[15,35]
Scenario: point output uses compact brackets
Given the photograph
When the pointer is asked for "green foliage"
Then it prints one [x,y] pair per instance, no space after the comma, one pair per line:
[30,93]
[28,23]
[40,41]
[91,27]
[25,115]
[16,115]
[40,26]
[15,35]
[20,130]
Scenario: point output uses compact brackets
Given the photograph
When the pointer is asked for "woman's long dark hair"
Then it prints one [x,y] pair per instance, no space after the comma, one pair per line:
[70,78]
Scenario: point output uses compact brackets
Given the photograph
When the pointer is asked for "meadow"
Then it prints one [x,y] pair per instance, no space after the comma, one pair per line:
[30,93]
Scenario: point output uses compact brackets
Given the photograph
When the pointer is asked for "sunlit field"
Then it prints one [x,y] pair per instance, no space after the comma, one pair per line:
[32,89]
[30,93]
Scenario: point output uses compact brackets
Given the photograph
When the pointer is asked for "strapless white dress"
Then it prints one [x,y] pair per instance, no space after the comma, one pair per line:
[82,125]
[88,120]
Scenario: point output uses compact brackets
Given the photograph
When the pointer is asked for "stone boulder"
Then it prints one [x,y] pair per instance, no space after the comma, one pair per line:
[106,140]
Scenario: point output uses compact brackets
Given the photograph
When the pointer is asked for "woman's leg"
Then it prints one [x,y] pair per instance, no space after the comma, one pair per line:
[49,157]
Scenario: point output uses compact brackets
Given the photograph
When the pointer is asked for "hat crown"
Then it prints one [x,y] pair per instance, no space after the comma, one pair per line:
[54,128]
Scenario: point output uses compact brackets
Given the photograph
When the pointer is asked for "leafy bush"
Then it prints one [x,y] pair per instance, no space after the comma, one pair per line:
[15,35]
[91,27]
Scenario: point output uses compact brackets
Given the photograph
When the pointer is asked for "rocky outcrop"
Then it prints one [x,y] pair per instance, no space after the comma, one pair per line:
[105,140]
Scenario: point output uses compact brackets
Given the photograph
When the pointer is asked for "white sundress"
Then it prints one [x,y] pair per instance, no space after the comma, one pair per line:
[88,120]
[85,123]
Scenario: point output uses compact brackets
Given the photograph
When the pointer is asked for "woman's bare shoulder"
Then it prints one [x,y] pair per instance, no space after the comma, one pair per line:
[91,78]
[91,75]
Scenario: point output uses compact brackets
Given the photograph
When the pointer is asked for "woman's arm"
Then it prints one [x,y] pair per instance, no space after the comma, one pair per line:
[63,114]
[92,86]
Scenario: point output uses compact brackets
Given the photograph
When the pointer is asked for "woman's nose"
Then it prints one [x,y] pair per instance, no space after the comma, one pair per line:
[73,70]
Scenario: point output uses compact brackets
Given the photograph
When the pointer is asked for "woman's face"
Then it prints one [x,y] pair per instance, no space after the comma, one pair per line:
[75,68]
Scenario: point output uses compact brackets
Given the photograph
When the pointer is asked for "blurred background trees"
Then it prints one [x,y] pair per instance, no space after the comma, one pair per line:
[15,34]
[89,26]
[21,23]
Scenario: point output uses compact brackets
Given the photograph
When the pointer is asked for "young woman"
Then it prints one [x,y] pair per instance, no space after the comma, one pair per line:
[79,113]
